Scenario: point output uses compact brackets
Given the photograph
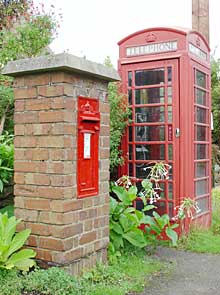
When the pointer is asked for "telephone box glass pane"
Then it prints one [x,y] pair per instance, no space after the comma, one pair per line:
[170,114]
[201,151]
[171,210]
[130,152]
[201,187]
[169,75]
[169,93]
[201,115]
[200,133]
[203,204]
[170,173]
[161,208]
[149,77]
[170,152]
[162,191]
[149,95]
[130,172]
[150,152]
[201,169]
[149,114]
[130,133]
[129,79]
[200,79]
[150,133]
[130,96]
[200,97]
[170,190]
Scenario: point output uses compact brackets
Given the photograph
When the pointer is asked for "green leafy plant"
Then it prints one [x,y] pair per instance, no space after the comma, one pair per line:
[125,220]
[10,243]
[157,226]
[6,159]
[119,117]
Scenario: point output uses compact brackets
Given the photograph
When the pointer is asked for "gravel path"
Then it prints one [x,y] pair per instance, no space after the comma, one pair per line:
[193,274]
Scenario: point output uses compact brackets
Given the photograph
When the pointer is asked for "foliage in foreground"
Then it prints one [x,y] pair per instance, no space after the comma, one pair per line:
[10,244]
[130,273]
[132,225]
[6,159]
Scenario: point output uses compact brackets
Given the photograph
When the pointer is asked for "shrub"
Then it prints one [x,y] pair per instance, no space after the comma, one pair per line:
[10,243]
[6,159]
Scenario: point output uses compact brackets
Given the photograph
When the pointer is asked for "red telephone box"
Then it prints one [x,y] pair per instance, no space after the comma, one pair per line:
[166,75]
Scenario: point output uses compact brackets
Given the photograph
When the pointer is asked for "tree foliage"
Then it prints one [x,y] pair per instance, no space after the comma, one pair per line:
[215,77]
[25,31]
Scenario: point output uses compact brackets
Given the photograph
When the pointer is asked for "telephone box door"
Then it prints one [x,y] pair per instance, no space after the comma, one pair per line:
[153,135]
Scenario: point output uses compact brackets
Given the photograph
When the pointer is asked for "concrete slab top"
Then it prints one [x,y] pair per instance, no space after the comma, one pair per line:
[63,61]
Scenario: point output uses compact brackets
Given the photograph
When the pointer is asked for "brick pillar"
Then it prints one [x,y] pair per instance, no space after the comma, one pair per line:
[200,17]
[65,230]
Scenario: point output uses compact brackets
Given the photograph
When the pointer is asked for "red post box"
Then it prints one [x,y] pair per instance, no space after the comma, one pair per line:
[88,146]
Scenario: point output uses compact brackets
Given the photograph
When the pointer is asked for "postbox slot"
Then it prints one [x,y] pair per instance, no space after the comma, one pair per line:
[90,119]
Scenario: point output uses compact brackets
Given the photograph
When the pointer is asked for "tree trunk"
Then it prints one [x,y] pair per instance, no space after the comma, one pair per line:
[2,123]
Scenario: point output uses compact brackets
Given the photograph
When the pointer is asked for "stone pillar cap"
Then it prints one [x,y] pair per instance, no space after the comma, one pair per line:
[62,61]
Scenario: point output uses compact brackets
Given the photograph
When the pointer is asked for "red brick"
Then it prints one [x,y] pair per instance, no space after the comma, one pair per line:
[30,117]
[62,180]
[42,129]
[57,154]
[55,244]
[37,179]
[25,141]
[61,77]
[28,129]
[87,238]
[19,105]
[69,129]
[44,254]
[66,231]
[19,202]
[50,141]
[66,205]
[70,104]
[57,103]
[32,241]
[55,168]
[39,229]
[52,116]
[19,82]
[37,104]
[19,178]
[37,79]
[50,91]
[30,92]
[38,204]
[19,154]
[36,154]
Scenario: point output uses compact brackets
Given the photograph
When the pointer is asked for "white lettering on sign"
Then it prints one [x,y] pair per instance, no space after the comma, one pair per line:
[152,48]
[197,51]
[87,146]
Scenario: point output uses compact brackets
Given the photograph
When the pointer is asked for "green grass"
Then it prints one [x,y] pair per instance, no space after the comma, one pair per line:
[205,241]
[9,209]
[201,241]
[131,273]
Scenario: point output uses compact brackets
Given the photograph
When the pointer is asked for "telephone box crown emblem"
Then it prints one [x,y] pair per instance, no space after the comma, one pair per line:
[151,37]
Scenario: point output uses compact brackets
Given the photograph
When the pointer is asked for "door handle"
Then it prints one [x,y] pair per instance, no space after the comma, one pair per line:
[177,132]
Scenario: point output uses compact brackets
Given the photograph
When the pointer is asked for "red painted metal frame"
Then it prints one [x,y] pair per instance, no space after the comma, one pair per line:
[184,61]
[87,165]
